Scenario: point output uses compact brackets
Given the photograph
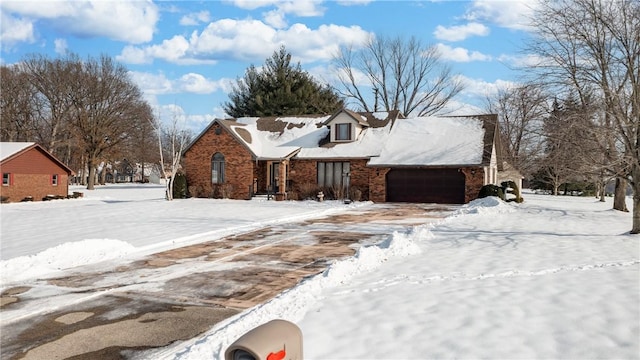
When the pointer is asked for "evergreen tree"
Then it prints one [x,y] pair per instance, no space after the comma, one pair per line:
[280,88]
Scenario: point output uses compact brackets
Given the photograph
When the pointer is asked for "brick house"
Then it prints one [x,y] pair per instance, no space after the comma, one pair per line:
[381,156]
[29,171]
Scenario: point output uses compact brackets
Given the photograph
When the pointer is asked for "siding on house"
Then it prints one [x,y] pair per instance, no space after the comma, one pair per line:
[31,175]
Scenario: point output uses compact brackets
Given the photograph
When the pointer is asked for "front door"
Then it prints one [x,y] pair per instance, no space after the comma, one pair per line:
[274,177]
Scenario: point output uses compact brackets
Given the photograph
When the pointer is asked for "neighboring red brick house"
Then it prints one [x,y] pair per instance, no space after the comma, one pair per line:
[379,156]
[29,171]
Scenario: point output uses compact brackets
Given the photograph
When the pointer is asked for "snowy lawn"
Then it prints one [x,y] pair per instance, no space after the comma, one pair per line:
[553,278]
[121,221]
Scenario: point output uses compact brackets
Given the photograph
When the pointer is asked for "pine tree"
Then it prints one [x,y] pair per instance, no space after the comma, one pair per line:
[280,88]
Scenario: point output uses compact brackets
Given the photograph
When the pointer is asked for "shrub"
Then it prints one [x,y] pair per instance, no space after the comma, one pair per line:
[180,186]
[293,195]
[308,191]
[193,190]
[355,194]
[491,190]
[226,191]
[510,187]
[337,192]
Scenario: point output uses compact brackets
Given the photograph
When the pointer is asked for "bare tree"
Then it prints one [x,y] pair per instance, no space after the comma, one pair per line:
[104,108]
[521,111]
[593,47]
[51,78]
[141,145]
[172,140]
[396,74]
[17,106]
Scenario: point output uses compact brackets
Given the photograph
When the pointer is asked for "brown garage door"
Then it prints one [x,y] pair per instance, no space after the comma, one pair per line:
[443,186]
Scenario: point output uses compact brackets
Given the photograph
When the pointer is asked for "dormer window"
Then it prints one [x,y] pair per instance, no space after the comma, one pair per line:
[343,132]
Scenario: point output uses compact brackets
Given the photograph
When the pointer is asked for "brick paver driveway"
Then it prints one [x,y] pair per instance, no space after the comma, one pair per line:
[174,295]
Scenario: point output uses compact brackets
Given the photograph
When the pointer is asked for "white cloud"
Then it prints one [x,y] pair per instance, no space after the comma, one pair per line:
[513,14]
[152,84]
[353,2]
[195,18]
[234,39]
[479,88]
[321,44]
[276,17]
[522,61]
[15,30]
[128,21]
[252,4]
[175,50]
[460,32]
[459,54]
[246,40]
[159,84]
[198,84]
[60,46]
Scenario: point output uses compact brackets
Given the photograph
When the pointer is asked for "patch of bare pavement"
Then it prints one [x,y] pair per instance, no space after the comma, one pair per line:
[114,312]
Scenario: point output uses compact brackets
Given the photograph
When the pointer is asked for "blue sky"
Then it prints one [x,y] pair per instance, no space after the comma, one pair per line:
[185,55]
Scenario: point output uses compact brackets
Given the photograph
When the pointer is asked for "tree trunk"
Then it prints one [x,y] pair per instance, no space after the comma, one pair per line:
[91,179]
[620,195]
[635,173]
[103,175]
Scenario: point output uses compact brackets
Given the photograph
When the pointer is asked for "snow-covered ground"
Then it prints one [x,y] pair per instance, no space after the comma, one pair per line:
[554,277]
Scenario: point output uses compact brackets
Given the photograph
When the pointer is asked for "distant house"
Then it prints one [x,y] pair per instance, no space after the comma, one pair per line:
[386,157]
[31,172]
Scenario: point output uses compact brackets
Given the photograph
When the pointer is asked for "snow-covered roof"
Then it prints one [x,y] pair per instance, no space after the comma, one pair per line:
[387,139]
[433,141]
[8,149]
[297,132]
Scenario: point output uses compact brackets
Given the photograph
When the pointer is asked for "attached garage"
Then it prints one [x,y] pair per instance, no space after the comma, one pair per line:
[440,185]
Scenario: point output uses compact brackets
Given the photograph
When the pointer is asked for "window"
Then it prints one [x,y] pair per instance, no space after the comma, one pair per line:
[54,179]
[343,131]
[217,169]
[6,179]
[333,173]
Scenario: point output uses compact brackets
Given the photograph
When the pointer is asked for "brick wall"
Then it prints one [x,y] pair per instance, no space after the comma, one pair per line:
[378,184]
[31,174]
[239,165]
[304,173]
[36,186]
[474,180]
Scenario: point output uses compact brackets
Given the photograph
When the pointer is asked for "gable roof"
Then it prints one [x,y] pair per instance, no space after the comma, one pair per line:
[278,137]
[11,150]
[439,141]
[388,139]
[370,119]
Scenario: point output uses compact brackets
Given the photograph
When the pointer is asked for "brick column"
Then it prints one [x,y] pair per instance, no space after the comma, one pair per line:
[378,184]
[282,181]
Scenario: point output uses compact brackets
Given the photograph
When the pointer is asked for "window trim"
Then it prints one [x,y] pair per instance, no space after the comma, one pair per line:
[55,179]
[9,179]
[326,173]
[218,164]
[338,133]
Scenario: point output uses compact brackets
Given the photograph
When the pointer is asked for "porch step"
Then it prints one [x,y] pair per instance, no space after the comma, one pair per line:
[263,197]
